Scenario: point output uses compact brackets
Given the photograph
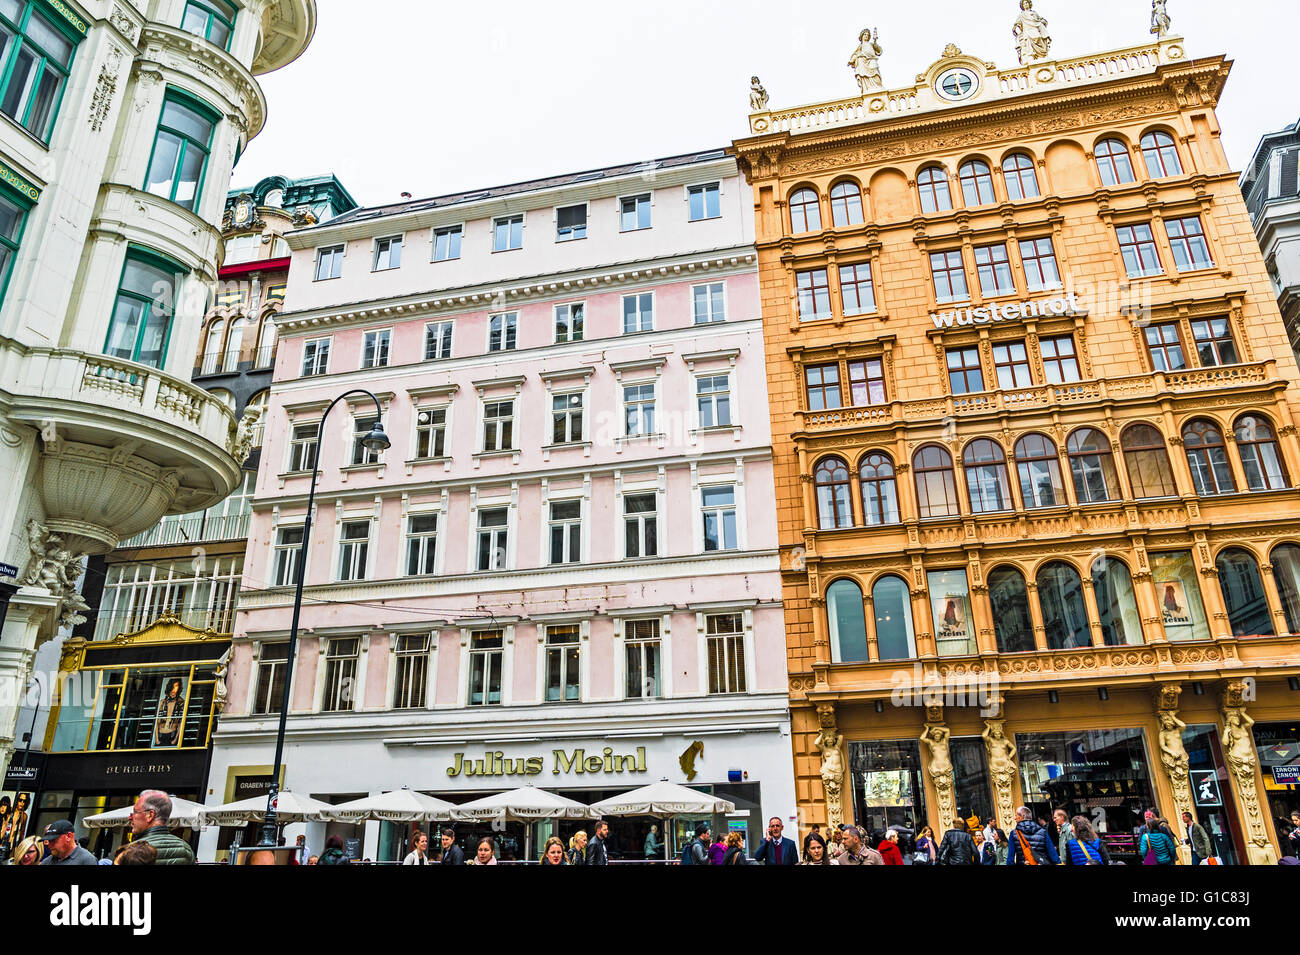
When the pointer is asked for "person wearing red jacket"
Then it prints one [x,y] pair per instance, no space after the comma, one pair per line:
[889,850]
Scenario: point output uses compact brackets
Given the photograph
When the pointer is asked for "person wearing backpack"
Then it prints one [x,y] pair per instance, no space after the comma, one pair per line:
[1030,844]
[1084,846]
[957,847]
[696,852]
[1155,847]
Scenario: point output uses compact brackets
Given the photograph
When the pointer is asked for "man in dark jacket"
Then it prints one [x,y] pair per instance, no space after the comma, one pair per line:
[697,850]
[957,847]
[596,853]
[776,849]
[451,854]
[1029,841]
[149,817]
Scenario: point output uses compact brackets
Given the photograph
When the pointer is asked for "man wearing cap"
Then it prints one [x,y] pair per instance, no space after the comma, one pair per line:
[149,817]
[61,841]
[855,853]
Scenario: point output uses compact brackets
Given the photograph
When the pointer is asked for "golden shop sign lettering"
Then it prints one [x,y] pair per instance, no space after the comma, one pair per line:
[1013,311]
[562,761]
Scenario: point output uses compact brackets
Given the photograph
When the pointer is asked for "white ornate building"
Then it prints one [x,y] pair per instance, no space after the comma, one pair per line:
[120,123]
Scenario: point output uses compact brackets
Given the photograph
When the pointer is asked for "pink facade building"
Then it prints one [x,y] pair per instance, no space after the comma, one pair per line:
[564,570]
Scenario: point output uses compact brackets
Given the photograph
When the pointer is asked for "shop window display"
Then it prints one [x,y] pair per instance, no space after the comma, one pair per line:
[1278,745]
[1211,792]
[887,787]
[954,630]
[1179,596]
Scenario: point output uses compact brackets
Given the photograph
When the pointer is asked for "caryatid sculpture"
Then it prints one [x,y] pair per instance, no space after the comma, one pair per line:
[1030,31]
[865,62]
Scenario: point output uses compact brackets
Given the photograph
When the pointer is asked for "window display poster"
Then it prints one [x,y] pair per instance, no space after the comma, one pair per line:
[171,712]
[15,811]
[1174,611]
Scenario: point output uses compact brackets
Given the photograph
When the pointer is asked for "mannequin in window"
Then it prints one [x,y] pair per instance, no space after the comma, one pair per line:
[167,729]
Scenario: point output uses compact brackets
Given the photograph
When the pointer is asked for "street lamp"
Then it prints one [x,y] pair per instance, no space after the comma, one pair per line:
[376,441]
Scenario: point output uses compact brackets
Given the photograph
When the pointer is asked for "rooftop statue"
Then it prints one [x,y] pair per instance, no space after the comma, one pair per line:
[865,62]
[1030,31]
[1159,18]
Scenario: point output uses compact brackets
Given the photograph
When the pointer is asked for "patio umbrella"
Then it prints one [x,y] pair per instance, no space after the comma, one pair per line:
[665,800]
[291,807]
[526,804]
[400,805]
[185,815]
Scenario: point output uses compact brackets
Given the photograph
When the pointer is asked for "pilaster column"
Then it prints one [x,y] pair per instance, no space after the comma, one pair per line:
[1094,616]
[1243,767]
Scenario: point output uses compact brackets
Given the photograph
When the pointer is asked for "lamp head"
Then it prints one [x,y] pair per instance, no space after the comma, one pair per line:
[376,440]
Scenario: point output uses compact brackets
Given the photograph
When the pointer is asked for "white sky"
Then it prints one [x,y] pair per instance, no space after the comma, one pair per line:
[431,96]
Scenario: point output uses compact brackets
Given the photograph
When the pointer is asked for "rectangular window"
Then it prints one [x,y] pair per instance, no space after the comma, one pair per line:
[719,512]
[1060,363]
[1039,258]
[1138,247]
[34,60]
[1187,242]
[329,263]
[354,549]
[644,653]
[949,277]
[493,538]
[562,683]
[141,320]
[823,387]
[965,376]
[704,201]
[388,254]
[374,349]
[430,433]
[814,295]
[707,304]
[501,331]
[634,213]
[315,357]
[566,532]
[340,674]
[638,313]
[507,233]
[639,409]
[857,294]
[994,270]
[1165,347]
[271,671]
[1214,344]
[641,525]
[1179,595]
[1012,363]
[13,217]
[566,418]
[446,243]
[288,542]
[866,382]
[214,20]
[570,223]
[568,322]
[437,340]
[410,671]
[498,425]
[485,665]
[713,399]
[361,428]
[724,634]
[302,447]
[180,151]
[421,543]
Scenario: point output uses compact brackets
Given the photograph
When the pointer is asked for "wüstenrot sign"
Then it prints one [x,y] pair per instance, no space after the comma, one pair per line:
[1011,312]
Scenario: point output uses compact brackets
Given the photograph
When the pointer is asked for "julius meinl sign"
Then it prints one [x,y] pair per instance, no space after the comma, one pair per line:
[1013,311]
[563,761]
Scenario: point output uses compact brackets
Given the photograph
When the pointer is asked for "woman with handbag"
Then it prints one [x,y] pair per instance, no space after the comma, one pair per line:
[1085,846]
[1155,847]
[925,851]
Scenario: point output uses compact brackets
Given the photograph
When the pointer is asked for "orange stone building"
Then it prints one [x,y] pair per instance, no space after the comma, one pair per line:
[1033,419]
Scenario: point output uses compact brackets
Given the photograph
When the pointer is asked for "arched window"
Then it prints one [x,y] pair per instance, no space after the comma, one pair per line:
[834,507]
[1022,181]
[1260,459]
[261,400]
[805,213]
[1147,462]
[212,347]
[1040,472]
[1161,155]
[976,183]
[1286,573]
[846,204]
[233,343]
[1092,466]
[1113,163]
[936,489]
[1060,596]
[1012,621]
[879,492]
[1243,594]
[1208,459]
[1116,603]
[848,622]
[933,185]
[893,608]
[266,342]
[986,477]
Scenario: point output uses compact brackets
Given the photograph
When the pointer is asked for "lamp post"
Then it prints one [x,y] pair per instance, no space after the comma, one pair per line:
[376,440]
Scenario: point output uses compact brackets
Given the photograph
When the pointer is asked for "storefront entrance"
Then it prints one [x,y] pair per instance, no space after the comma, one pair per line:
[1212,793]
[1278,745]
[887,788]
